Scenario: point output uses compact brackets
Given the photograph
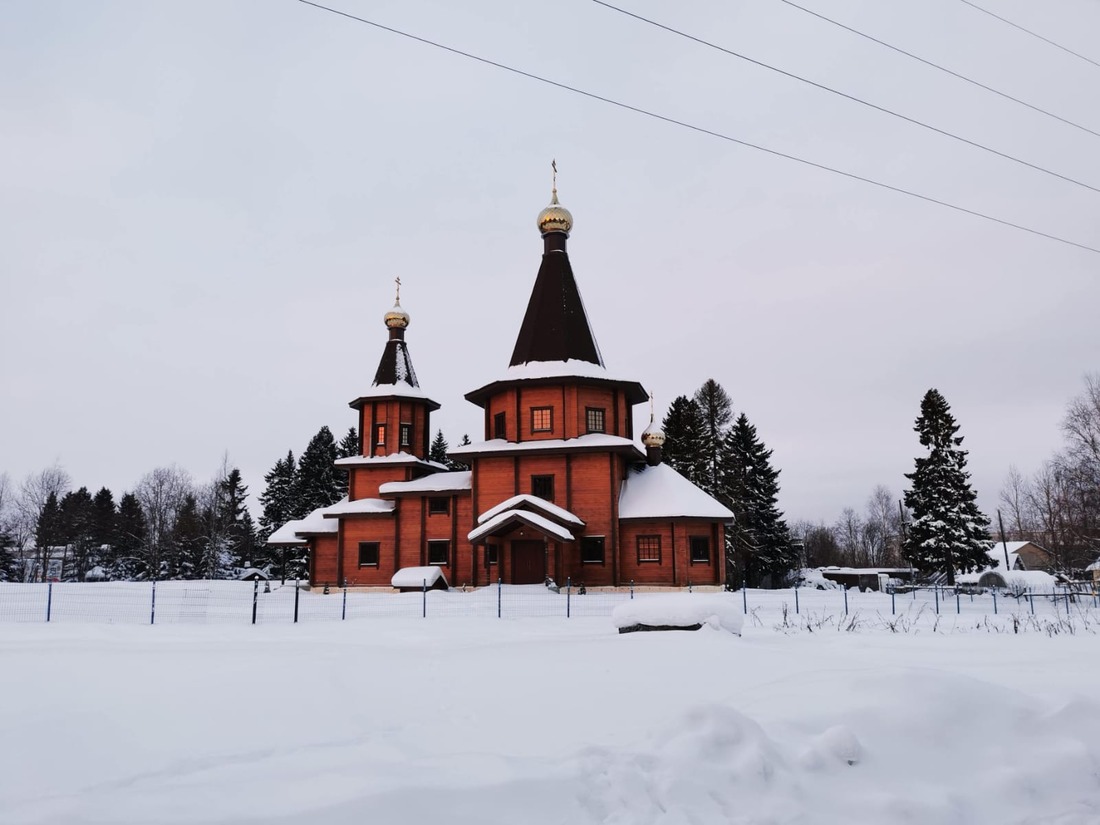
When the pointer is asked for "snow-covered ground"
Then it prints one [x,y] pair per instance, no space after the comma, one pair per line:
[457,720]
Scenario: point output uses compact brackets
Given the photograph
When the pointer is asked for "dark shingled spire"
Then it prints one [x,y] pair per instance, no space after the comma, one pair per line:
[555,327]
[396,366]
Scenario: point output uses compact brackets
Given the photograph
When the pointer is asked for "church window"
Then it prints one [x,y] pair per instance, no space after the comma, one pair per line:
[543,487]
[368,554]
[542,419]
[500,426]
[592,550]
[406,434]
[380,434]
[594,419]
[700,550]
[437,505]
[439,552]
[649,549]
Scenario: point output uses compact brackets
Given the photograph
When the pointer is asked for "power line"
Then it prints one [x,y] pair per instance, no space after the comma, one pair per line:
[944,69]
[701,130]
[847,96]
[1033,34]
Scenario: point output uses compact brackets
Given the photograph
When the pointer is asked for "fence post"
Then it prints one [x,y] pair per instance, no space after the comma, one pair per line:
[845,589]
[297,590]
[796,600]
[994,601]
[1031,600]
[424,598]
[689,585]
[568,596]
[500,586]
[958,603]
[745,598]
[153,604]
[344,604]
[49,599]
[893,605]
[1067,599]
[255,598]
[632,588]
[936,591]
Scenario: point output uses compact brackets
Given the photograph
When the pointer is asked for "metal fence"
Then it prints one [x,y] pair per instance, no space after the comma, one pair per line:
[230,602]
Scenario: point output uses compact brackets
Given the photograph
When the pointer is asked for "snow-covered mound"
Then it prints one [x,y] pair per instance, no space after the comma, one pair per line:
[686,610]
[408,577]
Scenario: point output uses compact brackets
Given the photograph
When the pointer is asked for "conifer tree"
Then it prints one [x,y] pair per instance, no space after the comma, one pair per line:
[458,465]
[76,515]
[683,426]
[438,450]
[315,484]
[715,414]
[47,534]
[8,572]
[948,532]
[188,540]
[277,498]
[231,497]
[124,563]
[104,516]
[758,544]
[347,448]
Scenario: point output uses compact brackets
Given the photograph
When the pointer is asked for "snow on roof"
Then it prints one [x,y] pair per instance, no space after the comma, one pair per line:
[287,534]
[526,516]
[595,440]
[392,458]
[417,576]
[573,368]
[661,492]
[316,522]
[359,506]
[547,507]
[1035,580]
[401,389]
[681,610]
[1094,566]
[434,483]
[997,553]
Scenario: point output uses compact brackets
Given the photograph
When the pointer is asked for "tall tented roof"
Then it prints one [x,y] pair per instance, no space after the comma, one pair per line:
[396,366]
[555,327]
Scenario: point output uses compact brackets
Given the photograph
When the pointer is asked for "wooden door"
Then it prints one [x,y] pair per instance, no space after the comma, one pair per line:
[528,562]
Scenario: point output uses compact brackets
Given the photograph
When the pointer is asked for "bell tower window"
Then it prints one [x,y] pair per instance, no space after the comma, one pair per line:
[542,419]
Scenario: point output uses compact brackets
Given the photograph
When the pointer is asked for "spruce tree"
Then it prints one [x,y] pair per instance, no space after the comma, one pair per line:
[347,448]
[104,517]
[188,540]
[438,450]
[47,534]
[277,498]
[77,528]
[131,532]
[8,571]
[948,532]
[315,484]
[758,544]
[715,414]
[231,496]
[683,450]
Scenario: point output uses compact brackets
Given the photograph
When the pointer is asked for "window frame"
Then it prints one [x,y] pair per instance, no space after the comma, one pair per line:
[446,555]
[549,428]
[380,434]
[492,554]
[588,413]
[433,506]
[648,559]
[602,560]
[500,426]
[692,541]
[543,478]
[377,553]
[405,434]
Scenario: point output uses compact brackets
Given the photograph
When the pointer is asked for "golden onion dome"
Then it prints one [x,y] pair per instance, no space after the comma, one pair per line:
[653,435]
[397,318]
[555,217]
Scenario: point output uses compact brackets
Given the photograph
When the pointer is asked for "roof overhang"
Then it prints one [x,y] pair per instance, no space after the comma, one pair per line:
[510,520]
[635,393]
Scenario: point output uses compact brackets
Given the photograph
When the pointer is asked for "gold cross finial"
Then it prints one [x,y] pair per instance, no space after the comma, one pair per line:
[651,408]
[554,166]
[397,281]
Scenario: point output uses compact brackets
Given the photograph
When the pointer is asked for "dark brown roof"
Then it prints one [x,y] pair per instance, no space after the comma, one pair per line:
[555,327]
[396,366]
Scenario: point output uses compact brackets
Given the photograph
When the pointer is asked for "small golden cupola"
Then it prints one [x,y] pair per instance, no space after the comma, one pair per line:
[397,318]
[653,437]
[555,217]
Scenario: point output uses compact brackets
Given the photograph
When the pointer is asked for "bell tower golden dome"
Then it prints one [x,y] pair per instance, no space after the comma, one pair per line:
[555,217]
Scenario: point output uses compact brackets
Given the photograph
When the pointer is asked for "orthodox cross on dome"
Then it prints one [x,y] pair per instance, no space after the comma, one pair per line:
[397,281]
[554,166]
[651,408]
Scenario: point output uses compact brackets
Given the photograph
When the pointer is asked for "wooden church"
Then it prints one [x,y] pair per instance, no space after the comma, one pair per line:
[558,487]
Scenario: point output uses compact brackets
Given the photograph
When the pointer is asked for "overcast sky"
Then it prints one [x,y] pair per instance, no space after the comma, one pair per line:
[204,205]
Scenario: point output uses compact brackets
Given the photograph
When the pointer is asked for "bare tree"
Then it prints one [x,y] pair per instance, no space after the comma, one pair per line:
[161,493]
[34,492]
[1014,498]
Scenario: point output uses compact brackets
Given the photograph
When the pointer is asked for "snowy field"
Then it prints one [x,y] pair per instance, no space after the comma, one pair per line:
[457,720]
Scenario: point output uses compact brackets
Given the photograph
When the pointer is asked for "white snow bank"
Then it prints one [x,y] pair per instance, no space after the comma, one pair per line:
[417,576]
[681,610]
